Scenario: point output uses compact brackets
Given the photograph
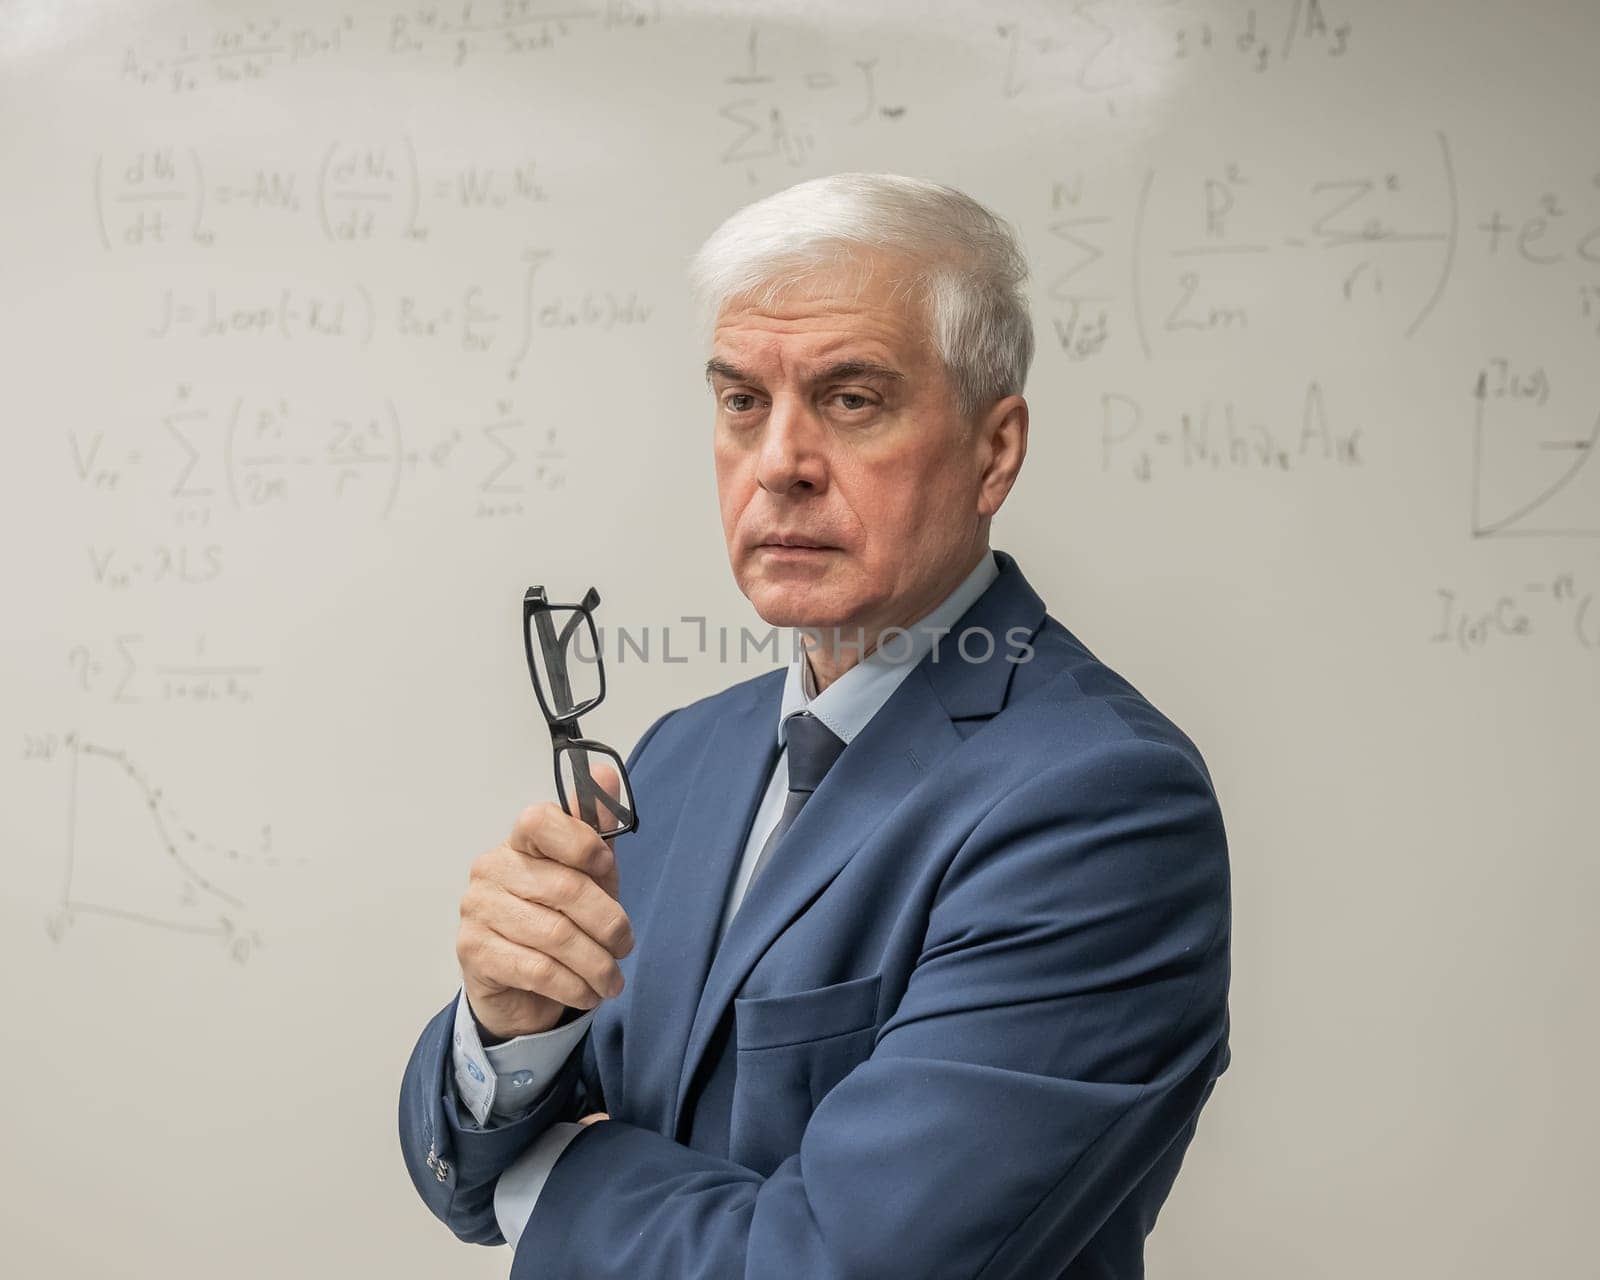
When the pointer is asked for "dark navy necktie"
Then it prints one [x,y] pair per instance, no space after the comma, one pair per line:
[812,748]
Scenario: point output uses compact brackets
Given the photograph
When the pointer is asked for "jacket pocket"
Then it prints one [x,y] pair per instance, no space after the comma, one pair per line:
[799,1016]
[793,1049]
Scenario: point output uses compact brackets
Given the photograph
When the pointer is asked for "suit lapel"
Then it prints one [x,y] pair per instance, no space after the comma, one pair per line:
[865,784]
[912,731]
[725,786]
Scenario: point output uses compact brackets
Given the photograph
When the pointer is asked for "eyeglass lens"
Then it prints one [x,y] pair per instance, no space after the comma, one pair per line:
[565,658]
[580,772]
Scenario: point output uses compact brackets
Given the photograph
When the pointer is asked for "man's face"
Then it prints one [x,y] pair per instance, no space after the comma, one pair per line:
[836,425]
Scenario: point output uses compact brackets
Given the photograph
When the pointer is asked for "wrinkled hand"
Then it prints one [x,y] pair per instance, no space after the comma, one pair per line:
[541,927]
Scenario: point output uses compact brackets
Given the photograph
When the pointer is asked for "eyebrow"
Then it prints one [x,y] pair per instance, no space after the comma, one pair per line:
[840,371]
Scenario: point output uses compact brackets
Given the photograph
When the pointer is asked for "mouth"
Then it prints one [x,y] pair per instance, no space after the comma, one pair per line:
[786,544]
[796,541]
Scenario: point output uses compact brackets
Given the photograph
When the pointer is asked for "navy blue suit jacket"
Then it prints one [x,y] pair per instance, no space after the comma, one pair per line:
[962,1025]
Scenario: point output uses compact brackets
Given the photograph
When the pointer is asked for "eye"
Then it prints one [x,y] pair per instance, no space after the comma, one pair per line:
[860,401]
[738,402]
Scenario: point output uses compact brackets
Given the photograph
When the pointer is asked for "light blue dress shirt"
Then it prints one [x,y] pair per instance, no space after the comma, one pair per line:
[501,1082]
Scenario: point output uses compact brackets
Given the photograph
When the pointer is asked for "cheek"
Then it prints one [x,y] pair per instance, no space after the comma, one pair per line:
[898,494]
[733,484]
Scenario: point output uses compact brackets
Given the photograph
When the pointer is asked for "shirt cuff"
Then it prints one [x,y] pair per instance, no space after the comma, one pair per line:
[518,1187]
[506,1079]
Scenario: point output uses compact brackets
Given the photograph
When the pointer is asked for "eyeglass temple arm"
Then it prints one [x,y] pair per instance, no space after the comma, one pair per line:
[555,662]
[586,605]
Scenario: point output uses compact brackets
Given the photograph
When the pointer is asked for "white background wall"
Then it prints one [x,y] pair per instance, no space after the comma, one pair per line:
[322,325]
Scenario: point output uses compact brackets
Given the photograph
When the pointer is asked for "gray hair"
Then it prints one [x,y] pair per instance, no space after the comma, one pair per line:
[967,267]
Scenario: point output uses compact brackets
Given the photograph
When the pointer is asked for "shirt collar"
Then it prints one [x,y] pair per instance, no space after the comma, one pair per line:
[847,704]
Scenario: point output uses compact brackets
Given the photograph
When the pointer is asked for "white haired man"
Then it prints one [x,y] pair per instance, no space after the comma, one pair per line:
[920,966]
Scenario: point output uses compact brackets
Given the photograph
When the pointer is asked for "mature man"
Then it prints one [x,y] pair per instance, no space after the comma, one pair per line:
[920,966]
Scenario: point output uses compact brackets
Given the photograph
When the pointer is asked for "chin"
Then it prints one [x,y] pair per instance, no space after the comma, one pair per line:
[782,603]
[785,605]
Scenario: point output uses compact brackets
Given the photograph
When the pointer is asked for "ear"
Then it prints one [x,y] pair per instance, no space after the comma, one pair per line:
[1002,443]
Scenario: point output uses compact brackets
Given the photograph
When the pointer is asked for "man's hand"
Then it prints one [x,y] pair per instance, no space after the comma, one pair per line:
[541,927]
[593,1116]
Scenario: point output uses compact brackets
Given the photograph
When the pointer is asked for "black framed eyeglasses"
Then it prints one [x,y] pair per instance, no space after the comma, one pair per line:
[571,681]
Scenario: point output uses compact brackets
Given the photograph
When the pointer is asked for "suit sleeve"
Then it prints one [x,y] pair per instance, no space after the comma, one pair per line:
[453,1160]
[1060,1031]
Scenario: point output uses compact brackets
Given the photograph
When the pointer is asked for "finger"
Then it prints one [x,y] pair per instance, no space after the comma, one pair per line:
[546,830]
[598,1115]
[553,884]
[543,928]
[502,961]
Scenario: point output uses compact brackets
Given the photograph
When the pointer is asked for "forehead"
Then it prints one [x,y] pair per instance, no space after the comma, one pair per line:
[838,313]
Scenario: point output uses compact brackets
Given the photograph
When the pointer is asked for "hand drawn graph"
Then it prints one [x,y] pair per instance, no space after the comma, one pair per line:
[1534,472]
[131,856]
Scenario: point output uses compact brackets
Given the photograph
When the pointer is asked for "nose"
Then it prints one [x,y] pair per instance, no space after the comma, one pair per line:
[793,448]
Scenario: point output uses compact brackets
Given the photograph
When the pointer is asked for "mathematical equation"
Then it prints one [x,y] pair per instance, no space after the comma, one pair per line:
[355,191]
[1192,262]
[256,454]
[122,673]
[1210,436]
[473,319]
[1560,605]
[1093,46]
[1553,240]
[249,50]
[1103,46]
[778,118]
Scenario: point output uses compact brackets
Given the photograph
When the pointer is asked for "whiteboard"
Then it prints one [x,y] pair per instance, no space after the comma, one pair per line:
[326,325]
